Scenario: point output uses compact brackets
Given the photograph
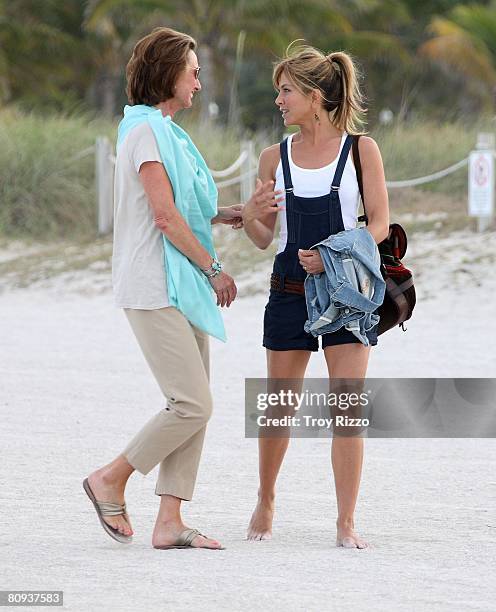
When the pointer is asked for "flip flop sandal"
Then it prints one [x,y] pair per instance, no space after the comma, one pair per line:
[184,541]
[108,509]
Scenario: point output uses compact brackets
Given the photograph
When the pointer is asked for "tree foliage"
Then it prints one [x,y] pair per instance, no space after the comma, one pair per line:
[428,58]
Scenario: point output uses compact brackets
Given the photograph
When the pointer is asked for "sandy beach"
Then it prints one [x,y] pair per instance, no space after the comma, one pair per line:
[75,387]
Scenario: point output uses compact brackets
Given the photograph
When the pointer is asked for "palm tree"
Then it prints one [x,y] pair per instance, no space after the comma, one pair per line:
[113,28]
[465,42]
[41,48]
[269,26]
[206,22]
[4,62]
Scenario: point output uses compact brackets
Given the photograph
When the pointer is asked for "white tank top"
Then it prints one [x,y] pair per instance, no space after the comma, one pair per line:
[310,183]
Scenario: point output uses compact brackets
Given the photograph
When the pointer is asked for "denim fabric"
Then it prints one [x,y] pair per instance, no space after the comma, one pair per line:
[309,221]
[350,290]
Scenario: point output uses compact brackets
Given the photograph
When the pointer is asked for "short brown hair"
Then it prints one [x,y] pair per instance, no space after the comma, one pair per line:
[155,64]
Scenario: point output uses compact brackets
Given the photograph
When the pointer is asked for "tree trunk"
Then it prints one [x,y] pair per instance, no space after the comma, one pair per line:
[108,94]
[205,57]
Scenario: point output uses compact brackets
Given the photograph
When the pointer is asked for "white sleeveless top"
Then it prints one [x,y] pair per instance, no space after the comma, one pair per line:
[311,183]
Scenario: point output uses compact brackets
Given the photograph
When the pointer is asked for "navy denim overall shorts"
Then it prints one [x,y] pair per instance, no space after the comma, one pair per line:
[309,220]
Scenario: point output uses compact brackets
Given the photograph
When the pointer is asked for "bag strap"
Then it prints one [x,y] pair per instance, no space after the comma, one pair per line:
[358,169]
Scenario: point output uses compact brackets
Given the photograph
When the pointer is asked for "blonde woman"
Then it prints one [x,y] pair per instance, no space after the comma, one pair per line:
[320,95]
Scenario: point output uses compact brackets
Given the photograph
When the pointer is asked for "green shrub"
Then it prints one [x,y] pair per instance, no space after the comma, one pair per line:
[46,193]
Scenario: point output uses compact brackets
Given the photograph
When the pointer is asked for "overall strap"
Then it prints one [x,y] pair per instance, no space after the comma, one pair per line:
[345,151]
[283,146]
[288,186]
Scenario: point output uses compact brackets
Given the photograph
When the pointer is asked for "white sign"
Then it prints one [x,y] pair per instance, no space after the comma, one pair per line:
[480,184]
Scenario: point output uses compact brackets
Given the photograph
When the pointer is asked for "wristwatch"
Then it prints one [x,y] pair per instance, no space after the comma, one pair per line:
[214,270]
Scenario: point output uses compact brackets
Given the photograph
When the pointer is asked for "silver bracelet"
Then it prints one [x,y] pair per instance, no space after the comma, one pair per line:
[214,270]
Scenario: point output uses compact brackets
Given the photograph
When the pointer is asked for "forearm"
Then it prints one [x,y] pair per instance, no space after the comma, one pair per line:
[257,232]
[178,232]
[166,216]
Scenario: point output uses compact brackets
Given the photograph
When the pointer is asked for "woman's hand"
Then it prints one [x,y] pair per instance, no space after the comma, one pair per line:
[230,215]
[311,261]
[263,201]
[224,288]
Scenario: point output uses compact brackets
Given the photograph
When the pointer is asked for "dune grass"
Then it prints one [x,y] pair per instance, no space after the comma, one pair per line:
[47,194]
[44,192]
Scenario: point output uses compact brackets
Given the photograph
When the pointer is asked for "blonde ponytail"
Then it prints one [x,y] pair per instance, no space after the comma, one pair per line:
[335,75]
[348,114]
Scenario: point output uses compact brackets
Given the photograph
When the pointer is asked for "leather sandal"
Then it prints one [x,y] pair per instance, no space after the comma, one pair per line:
[108,509]
[184,541]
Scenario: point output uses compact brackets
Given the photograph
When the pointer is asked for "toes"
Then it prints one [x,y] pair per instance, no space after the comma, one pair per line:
[258,536]
[127,525]
[126,518]
[125,530]
[204,542]
[120,526]
[352,542]
[128,529]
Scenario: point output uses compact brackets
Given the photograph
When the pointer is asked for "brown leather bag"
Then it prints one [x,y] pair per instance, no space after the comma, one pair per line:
[400,297]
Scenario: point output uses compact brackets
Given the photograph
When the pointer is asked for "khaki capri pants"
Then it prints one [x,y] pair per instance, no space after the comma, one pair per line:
[178,355]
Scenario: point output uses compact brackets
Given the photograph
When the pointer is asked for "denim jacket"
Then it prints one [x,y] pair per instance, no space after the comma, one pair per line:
[350,289]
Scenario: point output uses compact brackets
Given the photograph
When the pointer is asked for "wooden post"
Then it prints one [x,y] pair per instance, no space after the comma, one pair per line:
[104,174]
[247,182]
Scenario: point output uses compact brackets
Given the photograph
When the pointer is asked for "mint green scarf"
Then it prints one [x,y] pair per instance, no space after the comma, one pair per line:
[195,197]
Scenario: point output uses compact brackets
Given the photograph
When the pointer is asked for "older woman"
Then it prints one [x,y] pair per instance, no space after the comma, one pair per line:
[164,270]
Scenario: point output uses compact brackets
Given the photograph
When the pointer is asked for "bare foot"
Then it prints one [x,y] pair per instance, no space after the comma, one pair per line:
[106,491]
[167,533]
[260,527]
[348,538]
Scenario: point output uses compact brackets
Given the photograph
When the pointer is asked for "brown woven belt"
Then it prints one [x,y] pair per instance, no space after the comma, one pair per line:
[287,285]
